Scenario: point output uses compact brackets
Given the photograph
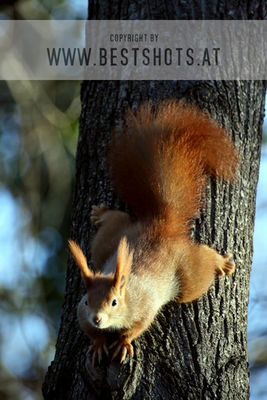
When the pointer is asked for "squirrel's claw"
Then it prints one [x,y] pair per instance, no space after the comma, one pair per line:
[228,266]
[124,346]
[97,214]
[105,349]
[97,351]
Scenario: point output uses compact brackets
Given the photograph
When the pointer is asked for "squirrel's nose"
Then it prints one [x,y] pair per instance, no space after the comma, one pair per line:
[96,320]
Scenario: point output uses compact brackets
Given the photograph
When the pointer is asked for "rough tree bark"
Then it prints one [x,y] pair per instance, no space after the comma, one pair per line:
[195,351]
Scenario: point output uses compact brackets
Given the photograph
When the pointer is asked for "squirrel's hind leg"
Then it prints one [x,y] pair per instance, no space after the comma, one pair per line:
[111,226]
[197,271]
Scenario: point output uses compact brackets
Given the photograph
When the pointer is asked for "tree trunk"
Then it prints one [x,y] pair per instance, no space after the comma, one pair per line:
[193,351]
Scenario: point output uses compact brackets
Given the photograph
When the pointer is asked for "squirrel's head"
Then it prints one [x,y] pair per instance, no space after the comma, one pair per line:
[105,293]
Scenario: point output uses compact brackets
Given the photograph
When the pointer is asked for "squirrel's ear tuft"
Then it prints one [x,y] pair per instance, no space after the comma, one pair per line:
[123,265]
[80,260]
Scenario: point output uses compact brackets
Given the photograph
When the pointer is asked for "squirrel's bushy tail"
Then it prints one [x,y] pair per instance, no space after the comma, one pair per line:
[159,162]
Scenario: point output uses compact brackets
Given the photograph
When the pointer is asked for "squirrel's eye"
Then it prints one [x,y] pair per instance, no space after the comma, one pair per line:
[114,302]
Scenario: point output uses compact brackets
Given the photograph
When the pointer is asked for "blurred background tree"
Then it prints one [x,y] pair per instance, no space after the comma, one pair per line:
[38,134]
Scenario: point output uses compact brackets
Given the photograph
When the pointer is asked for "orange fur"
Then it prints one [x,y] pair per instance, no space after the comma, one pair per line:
[101,249]
[124,262]
[80,259]
[160,161]
[159,164]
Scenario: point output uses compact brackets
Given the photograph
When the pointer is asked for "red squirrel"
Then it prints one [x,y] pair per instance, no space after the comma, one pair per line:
[159,164]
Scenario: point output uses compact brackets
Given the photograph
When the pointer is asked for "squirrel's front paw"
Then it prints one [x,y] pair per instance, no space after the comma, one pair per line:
[228,265]
[97,214]
[97,349]
[123,345]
